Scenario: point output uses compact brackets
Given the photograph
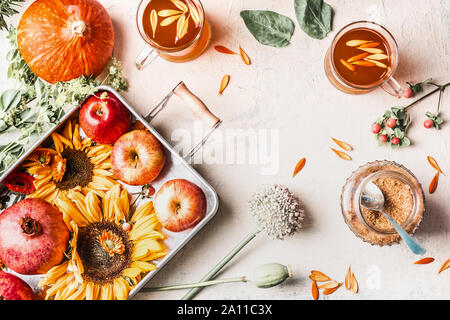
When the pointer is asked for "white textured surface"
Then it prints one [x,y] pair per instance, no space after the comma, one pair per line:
[286,89]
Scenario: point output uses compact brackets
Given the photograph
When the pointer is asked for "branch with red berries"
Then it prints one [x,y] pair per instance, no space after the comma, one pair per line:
[391,128]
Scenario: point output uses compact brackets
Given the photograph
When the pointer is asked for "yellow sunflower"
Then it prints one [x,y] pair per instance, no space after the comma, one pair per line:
[72,164]
[107,257]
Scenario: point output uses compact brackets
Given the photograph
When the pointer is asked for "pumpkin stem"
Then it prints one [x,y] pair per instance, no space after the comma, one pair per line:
[79,28]
[30,226]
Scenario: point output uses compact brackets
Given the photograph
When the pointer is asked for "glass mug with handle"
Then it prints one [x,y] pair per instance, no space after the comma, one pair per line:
[176,30]
[362,57]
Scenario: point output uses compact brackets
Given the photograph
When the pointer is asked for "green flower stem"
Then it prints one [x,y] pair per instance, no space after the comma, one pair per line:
[440,88]
[213,272]
[195,285]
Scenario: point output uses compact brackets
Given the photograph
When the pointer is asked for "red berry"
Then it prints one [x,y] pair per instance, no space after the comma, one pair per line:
[382,138]
[391,123]
[428,123]
[395,140]
[408,93]
[376,128]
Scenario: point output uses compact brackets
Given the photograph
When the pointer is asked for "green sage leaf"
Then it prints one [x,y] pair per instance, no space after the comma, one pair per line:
[314,16]
[268,27]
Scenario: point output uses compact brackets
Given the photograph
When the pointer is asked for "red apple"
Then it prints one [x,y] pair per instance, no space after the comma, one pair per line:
[180,205]
[137,157]
[14,288]
[104,118]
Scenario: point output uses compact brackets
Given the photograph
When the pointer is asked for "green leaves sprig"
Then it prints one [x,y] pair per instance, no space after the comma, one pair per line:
[399,131]
[37,106]
[7,9]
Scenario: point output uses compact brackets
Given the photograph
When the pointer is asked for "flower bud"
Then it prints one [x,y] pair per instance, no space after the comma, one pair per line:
[270,275]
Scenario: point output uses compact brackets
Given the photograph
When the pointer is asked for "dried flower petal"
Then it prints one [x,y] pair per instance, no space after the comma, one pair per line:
[371,50]
[180,5]
[377,56]
[355,286]
[330,285]
[377,63]
[154,21]
[370,45]
[433,184]
[342,155]
[342,144]
[245,57]
[424,261]
[224,83]
[223,49]
[357,57]
[180,26]
[364,63]
[170,20]
[434,164]
[331,290]
[348,279]
[355,43]
[348,65]
[299,166]
[168,13]
[445,266]
[315,290]
[194,13]
[319,276]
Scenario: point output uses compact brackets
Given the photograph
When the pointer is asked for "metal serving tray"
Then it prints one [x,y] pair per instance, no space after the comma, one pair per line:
[176,167]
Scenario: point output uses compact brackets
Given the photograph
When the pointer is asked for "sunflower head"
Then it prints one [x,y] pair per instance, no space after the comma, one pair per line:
[105,260]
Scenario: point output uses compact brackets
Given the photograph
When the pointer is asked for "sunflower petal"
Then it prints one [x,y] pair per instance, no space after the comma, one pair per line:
[143,266]
[142,211]
[121,289]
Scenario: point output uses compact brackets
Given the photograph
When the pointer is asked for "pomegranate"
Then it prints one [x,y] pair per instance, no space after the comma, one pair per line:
[33,236]
[14,288]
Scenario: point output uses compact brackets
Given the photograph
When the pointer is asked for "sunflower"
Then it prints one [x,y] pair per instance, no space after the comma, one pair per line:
[106,258]
[72,164]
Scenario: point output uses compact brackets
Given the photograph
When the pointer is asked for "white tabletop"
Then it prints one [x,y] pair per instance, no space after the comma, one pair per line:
[285,97]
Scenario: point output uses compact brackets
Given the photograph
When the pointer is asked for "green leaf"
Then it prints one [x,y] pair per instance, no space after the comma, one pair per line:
[405,142]
[10,99]
[315,17]
[268,27]
[399,133]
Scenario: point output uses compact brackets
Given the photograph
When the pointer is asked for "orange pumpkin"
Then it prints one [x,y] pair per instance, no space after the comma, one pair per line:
[61,40]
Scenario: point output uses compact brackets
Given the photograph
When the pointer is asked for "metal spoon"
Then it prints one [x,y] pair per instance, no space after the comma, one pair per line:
[372,198]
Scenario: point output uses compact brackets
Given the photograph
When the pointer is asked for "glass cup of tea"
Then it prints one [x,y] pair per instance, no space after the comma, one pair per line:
[175,30]
[362,57]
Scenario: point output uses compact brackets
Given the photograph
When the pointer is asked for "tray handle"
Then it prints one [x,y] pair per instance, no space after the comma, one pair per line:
[196,105]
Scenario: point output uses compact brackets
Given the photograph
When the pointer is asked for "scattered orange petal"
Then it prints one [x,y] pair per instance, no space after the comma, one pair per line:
[342,144]
[245,57]
[342,155]
[434,164]
[330,285]
[355,286]
[434,184]
[223,49]
[319,276]
[348,279]
[224,83]
[331,290]
[446,265]
[299,166]
[358,57]
[424,261]
[348,65]
[315,290]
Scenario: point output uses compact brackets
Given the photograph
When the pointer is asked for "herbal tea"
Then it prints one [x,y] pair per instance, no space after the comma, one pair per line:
[172,23]
[362,57]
